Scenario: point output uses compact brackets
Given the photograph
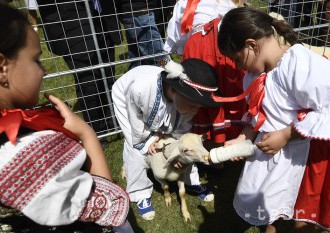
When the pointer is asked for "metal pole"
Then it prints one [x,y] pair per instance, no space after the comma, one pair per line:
[99,57]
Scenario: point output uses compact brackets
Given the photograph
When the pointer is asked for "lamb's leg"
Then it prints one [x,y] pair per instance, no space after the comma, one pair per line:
[167,195]
[184,208]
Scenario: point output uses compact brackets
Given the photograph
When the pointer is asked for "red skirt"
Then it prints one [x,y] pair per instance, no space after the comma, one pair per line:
[313,202]
[221,123]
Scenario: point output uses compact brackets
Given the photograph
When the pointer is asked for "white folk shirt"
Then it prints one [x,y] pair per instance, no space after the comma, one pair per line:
[142,111]
[269,185]
[138,96]
[206,11]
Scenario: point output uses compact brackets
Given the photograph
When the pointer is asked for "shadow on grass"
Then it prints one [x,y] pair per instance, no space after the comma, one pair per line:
[223,184]
[17,222]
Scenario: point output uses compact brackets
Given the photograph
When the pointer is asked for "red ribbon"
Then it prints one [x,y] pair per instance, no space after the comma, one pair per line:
[188,16]
[256,92]
[302,114]
[42,119]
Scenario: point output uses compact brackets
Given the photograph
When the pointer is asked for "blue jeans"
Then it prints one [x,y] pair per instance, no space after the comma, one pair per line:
[143,38]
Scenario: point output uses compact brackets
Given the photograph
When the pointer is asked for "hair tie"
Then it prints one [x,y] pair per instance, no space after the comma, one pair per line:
[274,30]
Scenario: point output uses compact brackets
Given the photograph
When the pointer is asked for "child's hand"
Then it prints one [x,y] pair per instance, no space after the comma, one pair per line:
[72,122]
[232,142]
[272,142]
[152,149]
[96,162]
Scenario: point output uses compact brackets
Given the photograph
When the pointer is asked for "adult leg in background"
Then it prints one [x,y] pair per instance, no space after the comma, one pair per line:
[68,33]
[143,38]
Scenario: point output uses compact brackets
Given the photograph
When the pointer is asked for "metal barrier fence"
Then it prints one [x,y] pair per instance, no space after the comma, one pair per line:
[88,44]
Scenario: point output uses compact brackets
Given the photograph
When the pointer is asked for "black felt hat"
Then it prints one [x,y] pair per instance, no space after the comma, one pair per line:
[194,79]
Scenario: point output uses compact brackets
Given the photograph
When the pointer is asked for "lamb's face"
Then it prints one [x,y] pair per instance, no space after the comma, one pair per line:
[192,149]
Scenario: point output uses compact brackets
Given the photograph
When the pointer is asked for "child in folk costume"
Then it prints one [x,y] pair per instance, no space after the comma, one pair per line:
[41,159]
[192,32]
[289,107]
[150,101]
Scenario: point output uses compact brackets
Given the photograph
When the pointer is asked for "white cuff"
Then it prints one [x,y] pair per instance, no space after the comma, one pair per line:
[316,125]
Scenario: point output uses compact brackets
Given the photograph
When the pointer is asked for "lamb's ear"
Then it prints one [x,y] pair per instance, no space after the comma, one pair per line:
[203,137]
[174,154]
[170,160]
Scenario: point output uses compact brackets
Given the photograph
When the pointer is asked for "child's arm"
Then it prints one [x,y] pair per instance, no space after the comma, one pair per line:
[217,155]
[247,134]
[96,160]
[272,142]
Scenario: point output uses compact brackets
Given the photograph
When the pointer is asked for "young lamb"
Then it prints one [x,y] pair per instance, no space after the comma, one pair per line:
[188,149]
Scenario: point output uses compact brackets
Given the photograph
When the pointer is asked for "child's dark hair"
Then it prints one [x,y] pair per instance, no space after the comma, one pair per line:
[244,23]
[13,30]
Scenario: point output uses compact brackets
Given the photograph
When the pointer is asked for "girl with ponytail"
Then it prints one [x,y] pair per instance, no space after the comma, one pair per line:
[288,93]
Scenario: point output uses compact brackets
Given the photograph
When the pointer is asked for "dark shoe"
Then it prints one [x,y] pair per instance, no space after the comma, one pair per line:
[201,191]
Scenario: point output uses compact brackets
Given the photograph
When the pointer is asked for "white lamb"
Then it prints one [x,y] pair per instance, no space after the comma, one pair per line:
[188,149]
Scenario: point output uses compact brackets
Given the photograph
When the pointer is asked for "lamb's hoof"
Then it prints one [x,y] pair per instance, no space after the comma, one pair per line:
[168,201]
[186,217]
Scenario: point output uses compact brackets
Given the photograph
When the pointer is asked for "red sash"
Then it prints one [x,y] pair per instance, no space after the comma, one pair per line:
[256,94]
[188,16]
[42,119]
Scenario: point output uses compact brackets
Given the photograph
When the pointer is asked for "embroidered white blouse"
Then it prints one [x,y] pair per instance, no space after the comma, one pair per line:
[269,185]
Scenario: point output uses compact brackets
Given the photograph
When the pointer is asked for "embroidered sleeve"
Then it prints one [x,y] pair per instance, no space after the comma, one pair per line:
[306,80]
